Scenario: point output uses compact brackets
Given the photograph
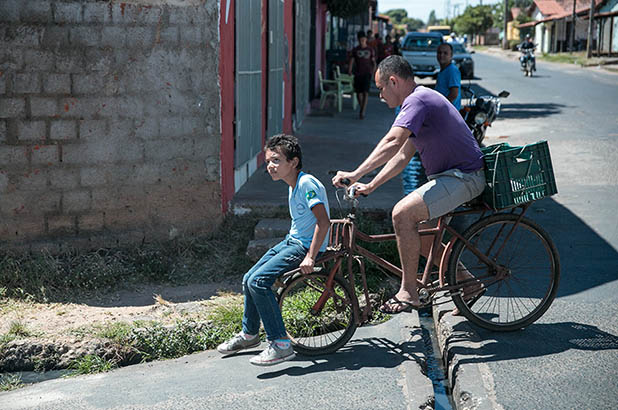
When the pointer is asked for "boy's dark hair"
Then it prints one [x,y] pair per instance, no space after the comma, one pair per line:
[361,34]
[287,145]
[395,65]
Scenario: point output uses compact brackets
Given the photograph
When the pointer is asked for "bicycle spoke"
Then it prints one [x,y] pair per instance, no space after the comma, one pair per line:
[528,271]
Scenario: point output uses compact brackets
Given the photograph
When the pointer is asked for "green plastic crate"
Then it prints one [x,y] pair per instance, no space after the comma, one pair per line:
[516,175]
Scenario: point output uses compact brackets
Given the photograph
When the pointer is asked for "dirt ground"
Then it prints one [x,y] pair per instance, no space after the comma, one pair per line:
[144,302]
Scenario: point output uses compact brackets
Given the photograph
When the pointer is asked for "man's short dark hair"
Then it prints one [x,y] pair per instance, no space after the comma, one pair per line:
[395,65]
[361,34]
[287,145]
[448,45]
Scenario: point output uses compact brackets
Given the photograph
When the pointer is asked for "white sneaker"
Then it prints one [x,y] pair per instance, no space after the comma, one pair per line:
[238,343]
[273,355]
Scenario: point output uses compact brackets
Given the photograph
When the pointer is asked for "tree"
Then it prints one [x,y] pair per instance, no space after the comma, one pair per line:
[413,24]
[432,20]
[474,20]
[397,15]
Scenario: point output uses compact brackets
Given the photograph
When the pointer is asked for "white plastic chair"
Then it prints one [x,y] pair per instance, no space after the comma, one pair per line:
[328,88]
[346,86]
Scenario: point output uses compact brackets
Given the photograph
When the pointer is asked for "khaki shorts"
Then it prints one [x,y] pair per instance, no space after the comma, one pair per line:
[447,190]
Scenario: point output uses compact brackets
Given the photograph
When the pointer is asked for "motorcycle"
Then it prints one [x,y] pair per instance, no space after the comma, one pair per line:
[527,61]
[481,111]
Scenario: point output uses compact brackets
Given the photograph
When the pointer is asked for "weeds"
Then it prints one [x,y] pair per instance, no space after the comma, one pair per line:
[10,381]
[90,364]
[19,329]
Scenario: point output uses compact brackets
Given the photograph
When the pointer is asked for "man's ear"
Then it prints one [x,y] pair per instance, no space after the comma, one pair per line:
[295,162]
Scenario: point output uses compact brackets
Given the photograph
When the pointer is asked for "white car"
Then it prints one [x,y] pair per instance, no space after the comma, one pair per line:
[419,49]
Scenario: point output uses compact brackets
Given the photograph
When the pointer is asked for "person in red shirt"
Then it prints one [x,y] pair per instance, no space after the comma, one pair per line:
[389,48]
[362,64]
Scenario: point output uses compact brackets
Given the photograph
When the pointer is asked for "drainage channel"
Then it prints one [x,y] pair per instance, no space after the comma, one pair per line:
[435,368]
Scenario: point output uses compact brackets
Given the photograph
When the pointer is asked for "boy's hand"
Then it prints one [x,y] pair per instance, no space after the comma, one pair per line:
[306,266]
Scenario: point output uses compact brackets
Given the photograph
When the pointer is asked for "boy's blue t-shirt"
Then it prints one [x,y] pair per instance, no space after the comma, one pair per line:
[307,193]
[448,78]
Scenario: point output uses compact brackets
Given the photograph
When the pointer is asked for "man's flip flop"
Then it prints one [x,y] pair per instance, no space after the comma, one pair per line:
[393,302]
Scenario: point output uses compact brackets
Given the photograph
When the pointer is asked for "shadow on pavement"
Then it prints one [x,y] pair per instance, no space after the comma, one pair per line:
[529,110]
[583,252]
[534,342]
[358,354]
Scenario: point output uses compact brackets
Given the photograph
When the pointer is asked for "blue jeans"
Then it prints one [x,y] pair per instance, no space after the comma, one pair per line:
[260,301]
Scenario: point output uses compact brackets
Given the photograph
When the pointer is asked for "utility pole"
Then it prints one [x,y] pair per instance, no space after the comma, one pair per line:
[589,41]
[505,42]
[572,34]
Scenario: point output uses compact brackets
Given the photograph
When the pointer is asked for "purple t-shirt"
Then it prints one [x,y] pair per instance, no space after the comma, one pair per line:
[439,133]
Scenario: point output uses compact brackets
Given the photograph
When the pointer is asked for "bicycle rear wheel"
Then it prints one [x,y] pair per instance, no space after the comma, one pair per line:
[316,333]
[529,282]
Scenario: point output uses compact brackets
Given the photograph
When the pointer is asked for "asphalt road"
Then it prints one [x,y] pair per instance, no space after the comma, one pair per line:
[569,358]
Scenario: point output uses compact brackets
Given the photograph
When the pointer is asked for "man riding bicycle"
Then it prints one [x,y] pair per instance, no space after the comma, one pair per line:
[430,124]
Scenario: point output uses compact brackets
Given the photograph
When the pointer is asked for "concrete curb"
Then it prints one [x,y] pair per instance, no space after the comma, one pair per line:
[471,382]
[418,387]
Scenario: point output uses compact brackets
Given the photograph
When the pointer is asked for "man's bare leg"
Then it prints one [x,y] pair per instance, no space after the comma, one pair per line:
[406,216]
[363,106]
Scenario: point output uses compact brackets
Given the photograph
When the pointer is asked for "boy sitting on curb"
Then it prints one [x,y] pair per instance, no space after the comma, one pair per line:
[309,210]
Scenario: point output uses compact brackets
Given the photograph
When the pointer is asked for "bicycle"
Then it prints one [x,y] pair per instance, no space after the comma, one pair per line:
[512,257]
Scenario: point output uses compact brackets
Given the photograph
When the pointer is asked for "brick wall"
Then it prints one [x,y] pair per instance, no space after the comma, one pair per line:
[109,121]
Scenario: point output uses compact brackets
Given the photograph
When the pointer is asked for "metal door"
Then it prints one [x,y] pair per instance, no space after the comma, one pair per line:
[248,102]
[277,57]
[302,41]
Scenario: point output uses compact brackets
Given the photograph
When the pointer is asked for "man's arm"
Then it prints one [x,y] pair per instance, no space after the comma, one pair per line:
[319,233]
[388,146]
[453,92]
[391,169]
[351,65]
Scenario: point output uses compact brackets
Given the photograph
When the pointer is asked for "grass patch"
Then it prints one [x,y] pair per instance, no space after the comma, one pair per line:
[91,364]
[17,329]
[117,332]
[43,277]
[569,58]
[10,381]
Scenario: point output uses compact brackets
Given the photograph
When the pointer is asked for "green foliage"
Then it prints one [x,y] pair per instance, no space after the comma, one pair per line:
[161,342]
[474,20]
[91,364]
[432,20]
[6,338]
[10,381]
[19,329]
[118,331]
[347,8]
[413,24]
[397,15]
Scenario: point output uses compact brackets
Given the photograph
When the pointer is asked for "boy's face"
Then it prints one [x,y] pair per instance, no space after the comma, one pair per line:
[278,165]
[444,55]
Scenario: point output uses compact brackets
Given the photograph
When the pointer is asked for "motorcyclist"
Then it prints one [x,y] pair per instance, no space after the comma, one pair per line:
[527,45]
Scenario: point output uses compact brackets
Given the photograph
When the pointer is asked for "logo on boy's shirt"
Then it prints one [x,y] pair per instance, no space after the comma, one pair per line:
[300,208]
[311,194]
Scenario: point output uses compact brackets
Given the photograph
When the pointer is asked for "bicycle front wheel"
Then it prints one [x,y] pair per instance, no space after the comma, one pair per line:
[525,284]
[322,332]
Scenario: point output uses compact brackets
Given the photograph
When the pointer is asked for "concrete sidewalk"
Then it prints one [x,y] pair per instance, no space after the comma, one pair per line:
[342,142]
